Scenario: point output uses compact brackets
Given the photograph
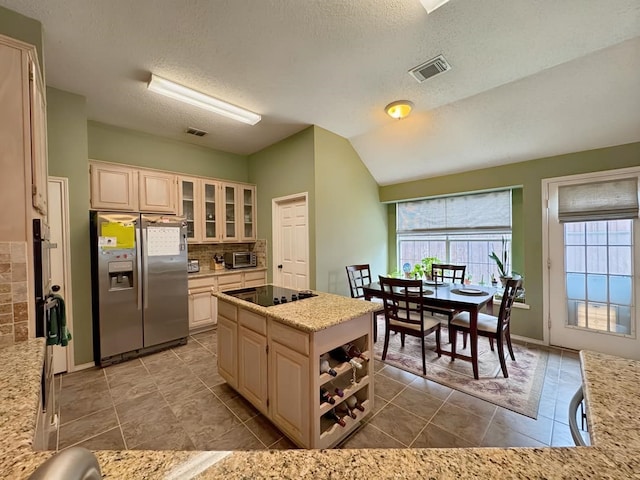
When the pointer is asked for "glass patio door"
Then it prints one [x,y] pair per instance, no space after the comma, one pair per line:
[593,285]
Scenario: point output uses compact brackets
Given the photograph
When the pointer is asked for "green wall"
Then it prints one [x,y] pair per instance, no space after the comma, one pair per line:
[285,168]
[120,145]
[22,28]
[67,143]
[351,223]
[527,224]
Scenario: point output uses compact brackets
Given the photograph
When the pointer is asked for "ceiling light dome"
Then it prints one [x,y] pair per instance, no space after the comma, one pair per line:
[399,109]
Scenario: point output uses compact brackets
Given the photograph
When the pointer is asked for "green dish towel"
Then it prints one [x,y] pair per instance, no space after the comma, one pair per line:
[58,333]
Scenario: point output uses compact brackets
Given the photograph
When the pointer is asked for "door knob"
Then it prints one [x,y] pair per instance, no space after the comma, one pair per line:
[280,267]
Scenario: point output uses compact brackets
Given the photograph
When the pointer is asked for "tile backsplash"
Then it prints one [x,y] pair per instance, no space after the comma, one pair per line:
[14,309]
[205,252]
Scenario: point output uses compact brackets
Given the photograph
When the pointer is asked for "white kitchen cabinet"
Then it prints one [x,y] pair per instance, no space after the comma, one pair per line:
[230,281]
[202,309]
[189,206]
[125,188]
[39,168]
[289,387]
[252,359]
[113,187]
[157,191]
[228,343]
[210,215]
[230,209]
[247,198]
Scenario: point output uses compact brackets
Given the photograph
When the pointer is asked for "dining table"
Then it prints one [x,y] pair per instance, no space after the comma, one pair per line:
[459,297]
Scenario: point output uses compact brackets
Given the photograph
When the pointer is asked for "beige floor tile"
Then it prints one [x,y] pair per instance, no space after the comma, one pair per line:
[109,440]
[398,423]
[86,427]
[435,437]
[418,403]
[386,387]
[461,422]
[370,436]
[472,404]
[499,436]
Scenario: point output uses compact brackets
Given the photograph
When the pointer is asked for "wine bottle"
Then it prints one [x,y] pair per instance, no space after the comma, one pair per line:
[333,416]
[353,402]
[325,368]
[341,355]
[325,396]
[338,391]
[354,352]
[343,408]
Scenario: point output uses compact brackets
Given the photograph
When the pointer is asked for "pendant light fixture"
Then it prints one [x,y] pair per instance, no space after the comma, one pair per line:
[431,5]
[192,97]
[399,109]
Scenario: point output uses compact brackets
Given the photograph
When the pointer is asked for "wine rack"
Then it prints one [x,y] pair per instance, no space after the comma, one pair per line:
[352,381]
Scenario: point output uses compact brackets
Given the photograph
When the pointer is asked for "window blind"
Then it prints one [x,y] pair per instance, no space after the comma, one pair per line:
[486,211]
[609,200]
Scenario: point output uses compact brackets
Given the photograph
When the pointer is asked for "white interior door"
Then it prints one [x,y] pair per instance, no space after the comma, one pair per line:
[60,262]
[592,283]
[291,242]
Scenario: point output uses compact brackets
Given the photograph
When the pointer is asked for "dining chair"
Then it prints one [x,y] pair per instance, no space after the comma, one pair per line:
[447,273]
[359,275]
[497,328]
[404,313]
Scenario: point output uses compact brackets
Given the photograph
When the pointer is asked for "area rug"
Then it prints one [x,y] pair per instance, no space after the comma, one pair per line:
[520,392]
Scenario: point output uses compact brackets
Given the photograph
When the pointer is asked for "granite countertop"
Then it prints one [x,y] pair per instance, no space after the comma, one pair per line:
[311,314]
[207,272]
[611,392]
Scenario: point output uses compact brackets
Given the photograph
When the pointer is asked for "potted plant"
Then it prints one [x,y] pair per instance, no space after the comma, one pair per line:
[502,262]
[423,268]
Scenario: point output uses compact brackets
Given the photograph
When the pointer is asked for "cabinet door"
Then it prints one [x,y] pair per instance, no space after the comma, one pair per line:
[248,207]
[157,192]
[230,212]
[252,367]
[189,203]
[289,391]
[201,313]
[228,350]
[39,178]
[209,214]
[113,187]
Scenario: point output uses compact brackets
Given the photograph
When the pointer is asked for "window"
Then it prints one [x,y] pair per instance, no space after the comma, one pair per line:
[460,230]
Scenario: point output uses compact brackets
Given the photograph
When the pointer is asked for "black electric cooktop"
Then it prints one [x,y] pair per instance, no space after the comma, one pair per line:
[269,295]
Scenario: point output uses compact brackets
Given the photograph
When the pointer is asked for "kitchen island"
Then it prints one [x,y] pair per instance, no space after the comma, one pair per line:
[610,385]
[278,358]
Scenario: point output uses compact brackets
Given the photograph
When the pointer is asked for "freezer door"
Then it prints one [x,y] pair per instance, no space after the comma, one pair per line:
[116,282]
[164,270]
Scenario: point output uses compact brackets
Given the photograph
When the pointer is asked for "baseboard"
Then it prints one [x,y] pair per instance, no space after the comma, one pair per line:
[534,341]
[84,366]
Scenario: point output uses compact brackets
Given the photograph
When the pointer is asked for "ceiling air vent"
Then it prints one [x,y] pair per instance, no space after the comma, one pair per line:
[196,132]
[429,69]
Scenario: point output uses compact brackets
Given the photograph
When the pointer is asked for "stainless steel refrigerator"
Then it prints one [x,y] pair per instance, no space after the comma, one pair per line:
[139,284]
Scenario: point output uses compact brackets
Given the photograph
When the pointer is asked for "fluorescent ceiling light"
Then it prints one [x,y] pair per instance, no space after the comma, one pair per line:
[184,94]
[431,5]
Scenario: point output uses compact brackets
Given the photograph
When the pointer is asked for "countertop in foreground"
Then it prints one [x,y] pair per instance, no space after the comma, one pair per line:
[613,405]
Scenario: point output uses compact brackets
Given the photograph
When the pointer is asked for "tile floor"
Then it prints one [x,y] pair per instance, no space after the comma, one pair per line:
[176,400]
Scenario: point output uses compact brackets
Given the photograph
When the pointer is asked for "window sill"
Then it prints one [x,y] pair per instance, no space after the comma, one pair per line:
[521,305]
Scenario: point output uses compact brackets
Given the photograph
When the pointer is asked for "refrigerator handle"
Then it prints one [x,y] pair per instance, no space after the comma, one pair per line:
[145,266]
[138,261]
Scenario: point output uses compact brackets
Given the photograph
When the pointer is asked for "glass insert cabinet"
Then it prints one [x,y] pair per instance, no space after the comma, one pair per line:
[218,211]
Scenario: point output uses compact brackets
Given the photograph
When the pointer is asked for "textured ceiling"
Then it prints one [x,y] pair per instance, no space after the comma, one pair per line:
[528,78]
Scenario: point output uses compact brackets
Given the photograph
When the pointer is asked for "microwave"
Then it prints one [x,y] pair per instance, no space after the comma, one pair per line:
[239,259]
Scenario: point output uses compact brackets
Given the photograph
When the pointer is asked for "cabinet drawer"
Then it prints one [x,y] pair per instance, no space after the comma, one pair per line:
[230,281]
[290,337]
[227,310]
[202,282]
[253,321]
[255,279]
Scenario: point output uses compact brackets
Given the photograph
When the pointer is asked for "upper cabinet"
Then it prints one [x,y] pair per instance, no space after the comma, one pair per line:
[157,191]
[217,211]
[23,140]
[248,208]
[121,187]
[113,187]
